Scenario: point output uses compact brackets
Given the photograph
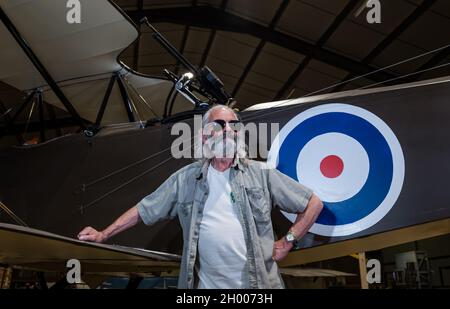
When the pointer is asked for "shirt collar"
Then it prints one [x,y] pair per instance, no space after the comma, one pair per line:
[238,164]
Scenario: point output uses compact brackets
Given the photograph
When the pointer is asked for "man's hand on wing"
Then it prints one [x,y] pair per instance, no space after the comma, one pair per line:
[91,234]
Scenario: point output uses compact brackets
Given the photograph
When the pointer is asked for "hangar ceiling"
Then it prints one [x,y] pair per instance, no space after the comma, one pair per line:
[274,49]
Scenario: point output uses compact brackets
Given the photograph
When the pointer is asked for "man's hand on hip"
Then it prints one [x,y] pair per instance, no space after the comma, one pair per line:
[281,249]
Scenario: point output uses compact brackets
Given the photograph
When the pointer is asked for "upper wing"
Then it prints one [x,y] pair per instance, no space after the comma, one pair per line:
[66,50]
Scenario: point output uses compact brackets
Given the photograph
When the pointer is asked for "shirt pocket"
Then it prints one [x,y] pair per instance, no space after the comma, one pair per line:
[258,203]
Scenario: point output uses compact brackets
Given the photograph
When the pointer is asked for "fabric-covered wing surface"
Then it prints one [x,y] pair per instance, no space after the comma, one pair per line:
[80,57]
[36,249]
[66,50]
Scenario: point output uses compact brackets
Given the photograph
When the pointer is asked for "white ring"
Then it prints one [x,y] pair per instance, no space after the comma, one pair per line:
[353,176]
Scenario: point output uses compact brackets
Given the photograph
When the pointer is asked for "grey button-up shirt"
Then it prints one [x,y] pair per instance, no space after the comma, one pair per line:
[255,189]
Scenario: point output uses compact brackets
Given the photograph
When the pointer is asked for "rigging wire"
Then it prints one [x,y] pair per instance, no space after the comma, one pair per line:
[410,74]
[118,171]
[141,123]
[132,179]
[264,111]
[29,118]
[287,108]
[378,70]
[83,207]
[139,96]
[10,213]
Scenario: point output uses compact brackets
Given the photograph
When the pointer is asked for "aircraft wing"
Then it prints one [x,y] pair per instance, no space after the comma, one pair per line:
[29,248]
[66,50]
[81,58]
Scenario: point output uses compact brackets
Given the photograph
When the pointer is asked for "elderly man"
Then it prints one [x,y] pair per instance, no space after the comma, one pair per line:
[224,206]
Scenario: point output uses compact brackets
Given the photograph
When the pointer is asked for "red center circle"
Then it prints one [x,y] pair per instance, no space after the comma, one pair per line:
[332,166]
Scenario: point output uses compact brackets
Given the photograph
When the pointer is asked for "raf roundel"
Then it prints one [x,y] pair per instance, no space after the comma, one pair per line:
[349,157]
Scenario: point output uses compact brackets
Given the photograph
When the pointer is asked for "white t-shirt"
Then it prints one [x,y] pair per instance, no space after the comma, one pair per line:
[221,245]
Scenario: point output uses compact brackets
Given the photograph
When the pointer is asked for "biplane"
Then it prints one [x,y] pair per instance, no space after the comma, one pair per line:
[377,171]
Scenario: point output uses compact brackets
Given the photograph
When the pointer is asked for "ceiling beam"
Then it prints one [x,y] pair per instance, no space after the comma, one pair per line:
[320,42]
[182,47]
[207,50]
[416,14]
[211,38]
[184,41]
[259,48]
[213,18]
[394,35]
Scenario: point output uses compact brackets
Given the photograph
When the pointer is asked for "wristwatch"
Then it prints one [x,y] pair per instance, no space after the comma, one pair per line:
[290,237]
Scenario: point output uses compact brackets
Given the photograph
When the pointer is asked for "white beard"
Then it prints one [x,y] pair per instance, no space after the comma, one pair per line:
[219,147]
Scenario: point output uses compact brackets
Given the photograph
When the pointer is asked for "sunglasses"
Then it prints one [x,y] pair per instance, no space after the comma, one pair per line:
[220,124]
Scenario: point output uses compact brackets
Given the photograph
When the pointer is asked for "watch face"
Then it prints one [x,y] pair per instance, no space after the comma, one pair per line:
[290,237]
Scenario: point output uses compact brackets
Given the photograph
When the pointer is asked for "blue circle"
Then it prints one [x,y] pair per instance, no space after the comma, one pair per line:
[380,175]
